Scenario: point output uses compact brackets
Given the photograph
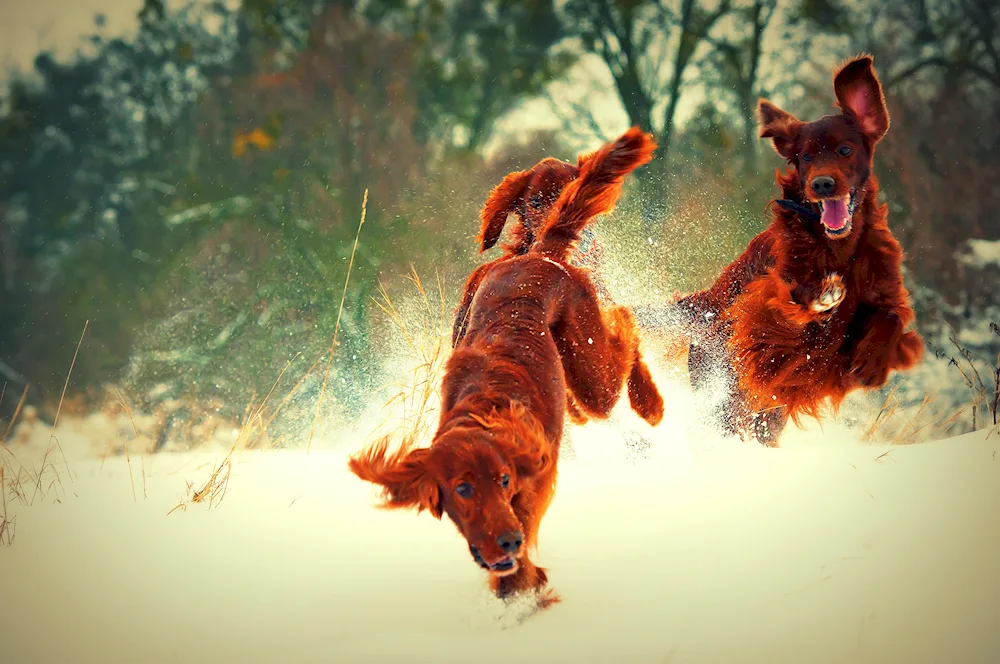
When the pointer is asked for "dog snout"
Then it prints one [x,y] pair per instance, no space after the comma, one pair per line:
[823,185]
[510,541]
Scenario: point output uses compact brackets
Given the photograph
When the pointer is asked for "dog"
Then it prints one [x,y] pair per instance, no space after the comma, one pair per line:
[815,307]
[536,332]
[528,195]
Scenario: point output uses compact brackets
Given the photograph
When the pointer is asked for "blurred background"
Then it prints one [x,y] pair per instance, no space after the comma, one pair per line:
[186,179]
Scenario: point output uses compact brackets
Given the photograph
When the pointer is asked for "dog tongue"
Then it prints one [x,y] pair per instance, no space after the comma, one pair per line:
[835,213]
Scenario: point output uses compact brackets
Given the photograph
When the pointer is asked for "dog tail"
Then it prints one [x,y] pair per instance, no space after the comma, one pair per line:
[500,203]
[594,192]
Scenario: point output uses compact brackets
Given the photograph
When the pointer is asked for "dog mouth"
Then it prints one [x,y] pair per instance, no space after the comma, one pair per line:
[836,213]
[502,567]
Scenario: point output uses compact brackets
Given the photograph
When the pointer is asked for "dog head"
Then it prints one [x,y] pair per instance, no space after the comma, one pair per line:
[529,194]
[833,156]
[469,475]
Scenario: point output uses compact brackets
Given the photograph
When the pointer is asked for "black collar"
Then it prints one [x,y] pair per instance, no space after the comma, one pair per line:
[803,210]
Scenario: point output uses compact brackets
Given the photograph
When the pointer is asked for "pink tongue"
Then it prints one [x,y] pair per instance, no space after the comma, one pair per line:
[835,213]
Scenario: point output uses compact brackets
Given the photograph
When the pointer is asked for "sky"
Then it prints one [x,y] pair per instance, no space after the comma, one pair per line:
[26,28]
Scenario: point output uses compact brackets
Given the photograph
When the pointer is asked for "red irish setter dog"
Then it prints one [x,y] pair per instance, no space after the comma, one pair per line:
[536,332]
[815,307]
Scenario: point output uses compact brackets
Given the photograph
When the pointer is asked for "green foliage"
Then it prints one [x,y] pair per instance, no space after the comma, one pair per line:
[480,58]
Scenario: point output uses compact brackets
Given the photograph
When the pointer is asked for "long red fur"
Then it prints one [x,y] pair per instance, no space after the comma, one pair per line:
[527,195]
[536,335]
[788,360]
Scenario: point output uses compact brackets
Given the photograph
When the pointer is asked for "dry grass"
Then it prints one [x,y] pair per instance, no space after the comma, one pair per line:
[427,336]
[128,460]
[11,478]
[336,328]
[985,394]
[41,482]
[62,397]
[900,426]
[254,426]
[252,429]
[17,411]
[897,425]
[6,523]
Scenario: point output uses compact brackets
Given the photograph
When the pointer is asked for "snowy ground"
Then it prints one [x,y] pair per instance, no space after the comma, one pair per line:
[687,549]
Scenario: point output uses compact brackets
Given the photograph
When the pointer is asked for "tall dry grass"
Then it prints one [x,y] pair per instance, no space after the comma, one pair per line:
[409,414]
[41,481]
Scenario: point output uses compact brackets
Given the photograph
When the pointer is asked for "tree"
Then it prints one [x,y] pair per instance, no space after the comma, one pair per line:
[474,59]
[478,59]
[87,154]
[956,38]
[738,61]
[635,38]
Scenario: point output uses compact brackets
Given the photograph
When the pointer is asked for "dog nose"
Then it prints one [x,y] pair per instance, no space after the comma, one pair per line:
[823,185]
[510,541]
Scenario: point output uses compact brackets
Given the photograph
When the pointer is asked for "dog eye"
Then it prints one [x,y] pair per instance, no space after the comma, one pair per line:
[464,489]
[844,150]
[505,480]
[807,158]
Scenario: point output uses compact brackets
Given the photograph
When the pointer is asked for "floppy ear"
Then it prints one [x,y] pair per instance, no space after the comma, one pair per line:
[532,454]
[859,96]
[403,475]
[500,204]
[778,125]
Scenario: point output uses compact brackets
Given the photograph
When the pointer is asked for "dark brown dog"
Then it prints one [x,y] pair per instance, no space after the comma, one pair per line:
[815,307]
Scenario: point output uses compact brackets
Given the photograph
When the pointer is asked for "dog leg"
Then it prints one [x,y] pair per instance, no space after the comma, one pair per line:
[527,578]
[596,352]
[768,425]
[643,396]
[599,350]
[883,348]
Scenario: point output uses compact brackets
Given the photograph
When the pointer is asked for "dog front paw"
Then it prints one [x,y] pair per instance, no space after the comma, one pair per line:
[831,296]
[873,371]
[527,579]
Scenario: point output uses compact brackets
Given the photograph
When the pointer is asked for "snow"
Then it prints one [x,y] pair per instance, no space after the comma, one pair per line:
[688,548]
[982,253]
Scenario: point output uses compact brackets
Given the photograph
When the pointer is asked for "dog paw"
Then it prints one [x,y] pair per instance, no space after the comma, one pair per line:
[573,411]
[873,372]
[644,398]
[832,295]
[546,597]
[910,348]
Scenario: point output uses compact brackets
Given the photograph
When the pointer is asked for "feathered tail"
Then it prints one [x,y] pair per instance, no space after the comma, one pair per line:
[594,192]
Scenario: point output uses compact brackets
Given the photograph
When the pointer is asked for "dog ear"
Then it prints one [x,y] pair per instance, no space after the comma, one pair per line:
[780,126]
[859,96]
[403,475]
[533,454]
[500,203]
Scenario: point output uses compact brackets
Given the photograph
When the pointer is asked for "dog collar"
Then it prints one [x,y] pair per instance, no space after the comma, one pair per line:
[798,208]
[556,263]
